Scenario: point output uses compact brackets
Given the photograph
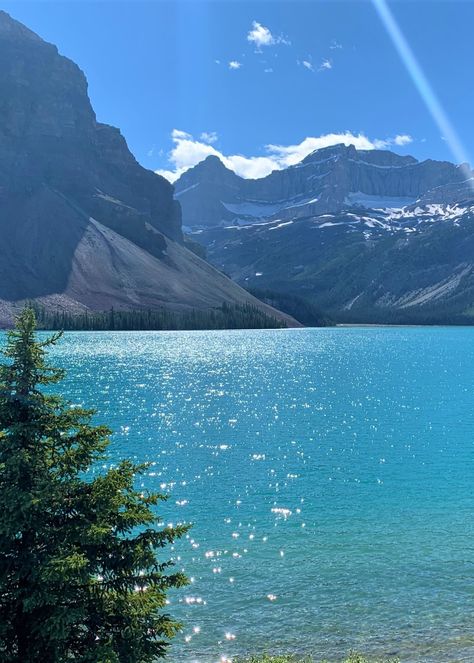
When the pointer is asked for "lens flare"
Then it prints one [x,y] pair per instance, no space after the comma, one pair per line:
[424,87]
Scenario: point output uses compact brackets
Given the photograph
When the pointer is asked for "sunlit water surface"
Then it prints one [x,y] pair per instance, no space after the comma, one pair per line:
[328,474]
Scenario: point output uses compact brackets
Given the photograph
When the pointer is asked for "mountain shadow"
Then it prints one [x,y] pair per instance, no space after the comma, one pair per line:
[82,224]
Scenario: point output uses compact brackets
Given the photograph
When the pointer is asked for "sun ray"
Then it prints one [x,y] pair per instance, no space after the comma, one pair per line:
[424,87]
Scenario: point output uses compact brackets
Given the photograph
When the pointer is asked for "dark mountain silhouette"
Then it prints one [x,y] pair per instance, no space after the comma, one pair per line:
[83,225]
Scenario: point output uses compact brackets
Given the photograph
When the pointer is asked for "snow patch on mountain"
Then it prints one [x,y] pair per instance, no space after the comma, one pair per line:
[262,209]
[189,188]
[281,225]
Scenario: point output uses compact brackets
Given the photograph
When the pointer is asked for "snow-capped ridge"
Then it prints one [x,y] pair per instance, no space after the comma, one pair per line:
[330,179]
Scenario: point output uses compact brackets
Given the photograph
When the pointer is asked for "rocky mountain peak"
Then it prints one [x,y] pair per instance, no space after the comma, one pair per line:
[329,179]
[50,138]
[350,152]
[213,161]
[209,171]
[11,29]
[212,166]
[331,151]
[43,93]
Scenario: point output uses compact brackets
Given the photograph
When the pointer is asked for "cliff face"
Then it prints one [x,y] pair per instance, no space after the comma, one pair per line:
[328,180]
[49,137]
[202,190]
[82,224]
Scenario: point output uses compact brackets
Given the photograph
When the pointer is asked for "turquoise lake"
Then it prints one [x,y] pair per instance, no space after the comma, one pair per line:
[328,474]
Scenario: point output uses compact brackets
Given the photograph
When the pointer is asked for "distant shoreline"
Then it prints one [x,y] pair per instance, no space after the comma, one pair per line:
[389,325]
[341,325]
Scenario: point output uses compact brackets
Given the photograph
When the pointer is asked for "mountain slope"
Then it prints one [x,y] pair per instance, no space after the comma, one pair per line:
[412,265]
[365,236]
[83,225]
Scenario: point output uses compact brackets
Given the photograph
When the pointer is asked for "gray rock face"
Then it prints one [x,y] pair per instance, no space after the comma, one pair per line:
[328,180]
[450,193]
[49,136]
[83,225]
[202,189]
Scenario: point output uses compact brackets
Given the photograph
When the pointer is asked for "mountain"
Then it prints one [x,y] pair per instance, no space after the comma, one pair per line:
[83,225]
[366,236]
[327,180]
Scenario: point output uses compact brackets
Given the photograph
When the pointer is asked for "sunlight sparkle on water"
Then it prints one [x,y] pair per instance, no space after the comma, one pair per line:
[338,454]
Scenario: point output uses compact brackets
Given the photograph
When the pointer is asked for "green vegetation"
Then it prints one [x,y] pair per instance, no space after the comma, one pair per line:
[300,308]
[197,248]
[237,316]
[79,575]
[443,315]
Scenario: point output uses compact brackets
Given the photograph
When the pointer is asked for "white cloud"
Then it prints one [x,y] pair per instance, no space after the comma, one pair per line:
[335,45]
[250,167]
[289,155]
[187,152]
[400,140]
[170,175]
[403,139]
[235,64]
[260,35]
[209,137]
[325,65]
[269,70]
[177,134]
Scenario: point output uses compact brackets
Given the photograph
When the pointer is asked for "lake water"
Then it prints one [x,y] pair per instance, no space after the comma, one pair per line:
[329,474]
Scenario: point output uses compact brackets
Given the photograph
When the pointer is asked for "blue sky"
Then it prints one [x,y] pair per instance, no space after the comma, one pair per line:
[305,74]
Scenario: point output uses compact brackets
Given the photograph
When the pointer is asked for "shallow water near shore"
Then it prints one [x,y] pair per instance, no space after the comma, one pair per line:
[328,474]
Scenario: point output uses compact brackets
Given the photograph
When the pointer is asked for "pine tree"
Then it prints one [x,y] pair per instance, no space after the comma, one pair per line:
[79,576]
